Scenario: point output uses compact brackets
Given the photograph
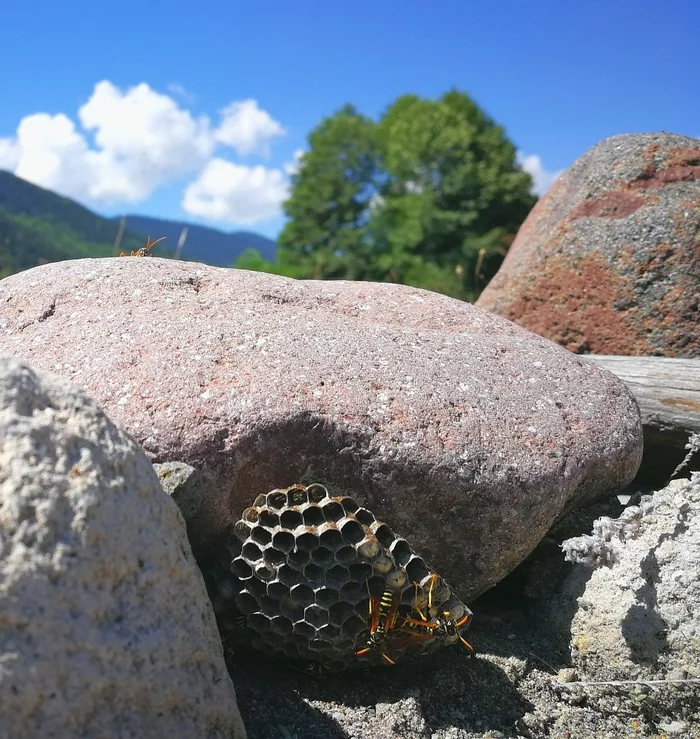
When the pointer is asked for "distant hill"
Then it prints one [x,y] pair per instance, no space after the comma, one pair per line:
[39,226]
[203,244]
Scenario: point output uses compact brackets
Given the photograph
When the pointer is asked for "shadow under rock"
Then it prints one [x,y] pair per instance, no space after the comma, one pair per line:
[525,615]
[453,689]
[470,693]
[271,701]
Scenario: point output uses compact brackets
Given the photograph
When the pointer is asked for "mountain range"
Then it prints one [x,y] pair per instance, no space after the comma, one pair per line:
[203,244]
[39,226]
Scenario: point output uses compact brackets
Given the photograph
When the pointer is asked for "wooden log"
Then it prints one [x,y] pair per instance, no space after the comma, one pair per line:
[668,393]
[667,389]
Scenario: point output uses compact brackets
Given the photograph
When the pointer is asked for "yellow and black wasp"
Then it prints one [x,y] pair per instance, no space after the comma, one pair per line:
[436,624]
[144,251]
[383,611]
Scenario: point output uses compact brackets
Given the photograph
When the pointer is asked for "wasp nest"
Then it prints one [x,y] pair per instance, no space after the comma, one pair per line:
[320,582]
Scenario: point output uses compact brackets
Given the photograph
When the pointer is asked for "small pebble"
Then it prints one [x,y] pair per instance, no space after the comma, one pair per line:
[567,675]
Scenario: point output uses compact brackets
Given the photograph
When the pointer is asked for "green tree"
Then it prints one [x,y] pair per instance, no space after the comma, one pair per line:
[431,195]
[326,236]
[454,194]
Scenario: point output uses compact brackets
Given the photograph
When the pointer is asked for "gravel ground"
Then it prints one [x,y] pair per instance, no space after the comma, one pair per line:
[518,683]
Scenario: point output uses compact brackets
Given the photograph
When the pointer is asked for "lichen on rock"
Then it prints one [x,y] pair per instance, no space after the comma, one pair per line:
[639,615]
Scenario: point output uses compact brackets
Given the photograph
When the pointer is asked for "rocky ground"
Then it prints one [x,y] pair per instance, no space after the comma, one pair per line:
[519,681]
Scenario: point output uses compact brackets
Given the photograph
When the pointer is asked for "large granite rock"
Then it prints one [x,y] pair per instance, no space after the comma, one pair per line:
[609,260]
[105,626]
[465,433]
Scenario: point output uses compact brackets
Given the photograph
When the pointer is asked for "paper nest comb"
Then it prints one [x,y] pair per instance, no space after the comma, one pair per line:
[304,572]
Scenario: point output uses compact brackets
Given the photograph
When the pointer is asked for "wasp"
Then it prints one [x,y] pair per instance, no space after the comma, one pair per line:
[436,624]
[144,251]
[383,611]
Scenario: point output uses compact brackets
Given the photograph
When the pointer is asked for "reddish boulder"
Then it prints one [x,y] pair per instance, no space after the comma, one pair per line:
[466,434]
[609,260]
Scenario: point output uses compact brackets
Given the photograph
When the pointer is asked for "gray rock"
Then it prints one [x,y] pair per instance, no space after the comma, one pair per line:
[106,630]
[184,484]
[639,616]
[468,435]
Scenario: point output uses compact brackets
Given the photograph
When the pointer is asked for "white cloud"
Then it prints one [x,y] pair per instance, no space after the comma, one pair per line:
[147,132]
[236,194]
[541,177]
[180,91]
[248,129]
[131,142]
[50,152]
[292,167]
[9,154]
[142,141]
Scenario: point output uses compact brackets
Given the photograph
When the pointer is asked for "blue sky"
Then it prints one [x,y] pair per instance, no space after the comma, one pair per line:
[194,111]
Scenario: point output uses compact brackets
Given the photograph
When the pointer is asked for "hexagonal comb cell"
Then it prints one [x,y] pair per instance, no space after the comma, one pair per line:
[313,516]
[333,511]
[317,616]
[401,552]
[283,541]
[316,493]
[329,537]
[351,530]
[261,535]
[277,499]
[312,574]
[291,519]
[269,519]
[296,496]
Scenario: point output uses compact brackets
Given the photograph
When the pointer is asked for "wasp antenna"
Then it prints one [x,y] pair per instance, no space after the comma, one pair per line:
[464,620]
[433,580]
[415,601]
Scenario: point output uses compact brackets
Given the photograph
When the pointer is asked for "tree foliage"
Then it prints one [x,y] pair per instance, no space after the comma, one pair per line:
[430,195]
[331,195]
[454,194]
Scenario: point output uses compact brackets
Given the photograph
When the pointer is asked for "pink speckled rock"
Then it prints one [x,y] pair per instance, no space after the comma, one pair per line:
[465,433]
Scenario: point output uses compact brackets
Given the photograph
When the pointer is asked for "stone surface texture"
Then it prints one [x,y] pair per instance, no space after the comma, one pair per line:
[466,434]
[105,627]
[608,261]
[639,615]
[184,484]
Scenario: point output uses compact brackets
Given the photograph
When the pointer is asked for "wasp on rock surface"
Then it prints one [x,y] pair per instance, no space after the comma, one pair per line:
[144,251]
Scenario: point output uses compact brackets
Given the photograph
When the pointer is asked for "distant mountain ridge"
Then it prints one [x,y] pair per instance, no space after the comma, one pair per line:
[39,226]
[21,198]
[203,244]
